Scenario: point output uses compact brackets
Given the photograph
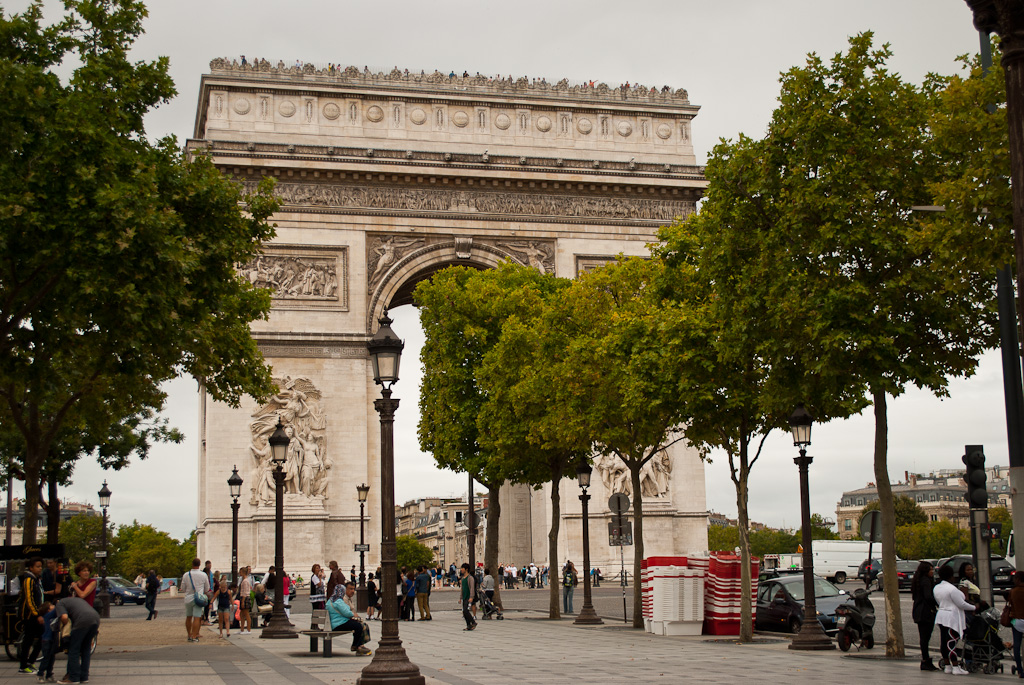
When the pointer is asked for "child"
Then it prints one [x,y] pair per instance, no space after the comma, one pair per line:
[49,642]
[224,607]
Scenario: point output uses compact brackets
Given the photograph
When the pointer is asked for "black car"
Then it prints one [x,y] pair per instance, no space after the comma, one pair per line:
[904,574]
[780,604]
[869,569]
[1002,571]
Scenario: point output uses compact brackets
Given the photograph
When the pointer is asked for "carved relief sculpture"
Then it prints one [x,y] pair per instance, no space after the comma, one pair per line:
[295,278]
[538,255]
[385,253]
[306,467]
[654,475]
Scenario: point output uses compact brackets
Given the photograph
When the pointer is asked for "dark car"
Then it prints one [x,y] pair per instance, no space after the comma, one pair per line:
[1002,571]
[869,569]
[780,604]
[904,574]
[125,592]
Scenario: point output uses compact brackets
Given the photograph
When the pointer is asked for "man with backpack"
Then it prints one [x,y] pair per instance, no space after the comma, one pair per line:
[569,582]
[152,590]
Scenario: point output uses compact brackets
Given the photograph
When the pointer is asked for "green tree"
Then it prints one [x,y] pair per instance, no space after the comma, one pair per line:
[1002,516]
[906,510]
[412,553]
[141,547]
[894,303]
[932,540]
[771,541]
[120,253]
[80,536]
[723,538]
[820,529]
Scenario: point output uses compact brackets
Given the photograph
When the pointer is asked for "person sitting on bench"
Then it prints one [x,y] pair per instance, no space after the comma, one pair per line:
[343,618]
[261,603]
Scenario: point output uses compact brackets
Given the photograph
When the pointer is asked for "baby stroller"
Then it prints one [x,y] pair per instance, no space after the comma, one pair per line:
[983,648]
[489,608]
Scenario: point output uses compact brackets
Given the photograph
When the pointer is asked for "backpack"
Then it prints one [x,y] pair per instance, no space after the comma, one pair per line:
[152,585]
[567,578]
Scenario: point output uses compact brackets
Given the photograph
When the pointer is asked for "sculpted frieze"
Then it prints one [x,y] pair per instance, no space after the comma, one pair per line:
[295,277]
[654,475]
[479,202]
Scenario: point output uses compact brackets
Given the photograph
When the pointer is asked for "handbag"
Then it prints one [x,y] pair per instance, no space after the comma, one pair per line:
[201,600]
[1004,618]
[366,633]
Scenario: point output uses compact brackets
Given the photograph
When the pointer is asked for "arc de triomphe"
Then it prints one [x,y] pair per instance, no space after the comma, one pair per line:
[385,178]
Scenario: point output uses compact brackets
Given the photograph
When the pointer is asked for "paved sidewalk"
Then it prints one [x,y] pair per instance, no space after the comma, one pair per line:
[524,648]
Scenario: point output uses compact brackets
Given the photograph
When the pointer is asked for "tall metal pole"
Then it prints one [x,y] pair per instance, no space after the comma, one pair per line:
[362,599]
[587,615]
[390,664]
[234,539]
[10,508]
[104,593]
[471,527]
[279,627]
[811,635]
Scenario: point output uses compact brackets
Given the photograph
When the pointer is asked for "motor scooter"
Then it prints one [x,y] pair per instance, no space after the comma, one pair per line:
[856,622]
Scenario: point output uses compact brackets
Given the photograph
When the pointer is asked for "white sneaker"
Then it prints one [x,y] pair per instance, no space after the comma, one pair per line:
[949,669]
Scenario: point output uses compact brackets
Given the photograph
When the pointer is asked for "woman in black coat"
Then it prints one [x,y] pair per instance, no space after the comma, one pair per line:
[925,608]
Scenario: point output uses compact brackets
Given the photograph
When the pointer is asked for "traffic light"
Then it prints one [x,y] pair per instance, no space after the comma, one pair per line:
[974,459]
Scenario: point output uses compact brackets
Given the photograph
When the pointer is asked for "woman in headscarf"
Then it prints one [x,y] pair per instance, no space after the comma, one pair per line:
[921,588]
[343,618]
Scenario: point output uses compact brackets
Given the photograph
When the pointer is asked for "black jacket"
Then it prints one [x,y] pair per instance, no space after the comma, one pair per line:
[925,606]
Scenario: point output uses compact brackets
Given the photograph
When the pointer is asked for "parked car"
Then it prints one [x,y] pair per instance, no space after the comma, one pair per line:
[904,573]
[780,604]
[1002,571]
[124,591]
[869,570]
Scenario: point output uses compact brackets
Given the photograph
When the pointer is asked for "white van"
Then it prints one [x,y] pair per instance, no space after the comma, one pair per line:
[838,560]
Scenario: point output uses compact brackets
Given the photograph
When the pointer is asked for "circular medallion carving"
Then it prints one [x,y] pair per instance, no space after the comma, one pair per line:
[460,119]
[624,128]
[664,131]
[375,113]
[242,106]
[418,116]
[286,108]
[584,126]
[543,124]
[332,111]
[502,121]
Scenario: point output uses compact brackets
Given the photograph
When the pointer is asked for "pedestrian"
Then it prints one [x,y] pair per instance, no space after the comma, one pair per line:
[569,582]
[224,608]
[343,618]
[245,587]
[487,584]
[49,643]
[317,588]
[921,589]
[1017,617]
[286,596]
[195,585]
[335,579]
[85,586]
[152,590]
[352,574]
[950,618]
[30,602]
[211,585]
[409,597]
[967,582]
[50,582]
[85,623]
[423,584]
[468,591]
[372,597]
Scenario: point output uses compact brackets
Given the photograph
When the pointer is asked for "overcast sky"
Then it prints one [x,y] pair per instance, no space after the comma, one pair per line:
[728,55]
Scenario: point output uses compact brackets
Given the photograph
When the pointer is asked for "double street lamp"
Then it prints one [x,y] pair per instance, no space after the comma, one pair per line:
[235,485]
[104,594]
[811,635]
[361,598]
[279,627]
[587,616]
[390,663]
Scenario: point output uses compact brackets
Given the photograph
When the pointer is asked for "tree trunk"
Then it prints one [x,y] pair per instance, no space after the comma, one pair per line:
[638,542]
[554,611]
[491,546]
[32,478]
[743,523]
[52,509]
[894,646]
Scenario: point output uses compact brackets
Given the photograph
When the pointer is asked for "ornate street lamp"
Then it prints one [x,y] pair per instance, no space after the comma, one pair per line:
[235,485]
[104,594]
[361,598]
[279,627]
[587,615]
[390,663]
[811,635]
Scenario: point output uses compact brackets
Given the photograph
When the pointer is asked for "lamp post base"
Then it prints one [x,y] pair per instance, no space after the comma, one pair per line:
[588,617]
[390,666]
[812,638]
[278,628]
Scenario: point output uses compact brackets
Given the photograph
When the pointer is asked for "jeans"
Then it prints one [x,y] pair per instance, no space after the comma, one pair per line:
[467,614]
[150,604]
[29,650]
[49,654]
[924,633]
[1017,635]
[80,652]
[567,599]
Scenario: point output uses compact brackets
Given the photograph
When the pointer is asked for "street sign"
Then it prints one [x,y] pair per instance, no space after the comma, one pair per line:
[620,535]
[871,526]
[362,548]
[101,554]
[618,503]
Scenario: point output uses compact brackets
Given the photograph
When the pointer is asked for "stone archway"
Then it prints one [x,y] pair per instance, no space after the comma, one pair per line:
[384,179]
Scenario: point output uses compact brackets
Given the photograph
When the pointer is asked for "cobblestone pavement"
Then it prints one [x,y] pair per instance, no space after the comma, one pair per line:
[524,648]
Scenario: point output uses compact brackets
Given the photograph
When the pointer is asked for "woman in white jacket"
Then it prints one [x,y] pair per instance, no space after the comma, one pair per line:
[950,618]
